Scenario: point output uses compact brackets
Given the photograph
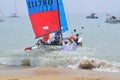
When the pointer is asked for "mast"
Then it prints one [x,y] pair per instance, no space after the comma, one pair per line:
[2,13]
[15,9]
[59,17]
[2,16]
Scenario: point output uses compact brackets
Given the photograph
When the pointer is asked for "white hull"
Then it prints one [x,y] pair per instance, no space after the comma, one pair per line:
[112,21]
[50,45]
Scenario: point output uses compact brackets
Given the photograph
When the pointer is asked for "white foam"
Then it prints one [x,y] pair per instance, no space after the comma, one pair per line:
[106,69]
[72,66]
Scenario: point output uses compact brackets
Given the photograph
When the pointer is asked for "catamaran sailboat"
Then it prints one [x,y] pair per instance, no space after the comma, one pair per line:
[47,16]
[15,13]
[1,16]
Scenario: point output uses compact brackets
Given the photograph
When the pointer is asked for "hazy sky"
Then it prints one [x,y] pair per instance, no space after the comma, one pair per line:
[72,6]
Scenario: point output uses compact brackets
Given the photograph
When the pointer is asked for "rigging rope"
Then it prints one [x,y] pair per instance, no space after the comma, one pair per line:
[68,18]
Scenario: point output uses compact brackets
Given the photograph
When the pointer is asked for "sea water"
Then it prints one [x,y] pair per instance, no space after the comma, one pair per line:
[101,41]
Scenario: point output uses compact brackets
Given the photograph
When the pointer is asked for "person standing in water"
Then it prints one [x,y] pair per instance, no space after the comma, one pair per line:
[78,39]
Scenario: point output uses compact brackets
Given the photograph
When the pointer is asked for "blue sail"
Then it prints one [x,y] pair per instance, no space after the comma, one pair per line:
[63,21]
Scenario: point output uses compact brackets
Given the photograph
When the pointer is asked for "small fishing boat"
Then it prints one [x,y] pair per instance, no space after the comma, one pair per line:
[112,20]
[92,16]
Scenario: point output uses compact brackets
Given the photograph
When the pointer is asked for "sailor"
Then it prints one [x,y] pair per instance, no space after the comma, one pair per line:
[93,15]
[57,39]
[78,40]
[45,39]
[73,37]
[77,37]
[113,17]
[74,30]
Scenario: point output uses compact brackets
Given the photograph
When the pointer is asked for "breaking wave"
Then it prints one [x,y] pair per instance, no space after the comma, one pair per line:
[82,58]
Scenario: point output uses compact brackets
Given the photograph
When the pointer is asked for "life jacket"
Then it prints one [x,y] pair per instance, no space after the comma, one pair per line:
[46,37]
[72,38]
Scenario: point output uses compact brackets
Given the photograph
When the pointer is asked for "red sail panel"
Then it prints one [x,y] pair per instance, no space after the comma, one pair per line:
[45,22]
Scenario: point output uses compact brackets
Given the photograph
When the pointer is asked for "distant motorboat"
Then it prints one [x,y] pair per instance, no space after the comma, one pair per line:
[92,16]
[112,20]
